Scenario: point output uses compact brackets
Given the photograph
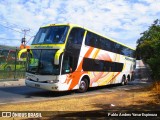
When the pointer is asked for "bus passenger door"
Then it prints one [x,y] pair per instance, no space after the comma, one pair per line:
[73,47]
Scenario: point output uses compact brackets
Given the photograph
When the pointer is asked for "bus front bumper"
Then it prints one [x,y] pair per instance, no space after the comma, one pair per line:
[46,86]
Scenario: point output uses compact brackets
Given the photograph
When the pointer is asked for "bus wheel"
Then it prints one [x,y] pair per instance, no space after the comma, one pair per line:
[126,81]
[83,85]
[123,80]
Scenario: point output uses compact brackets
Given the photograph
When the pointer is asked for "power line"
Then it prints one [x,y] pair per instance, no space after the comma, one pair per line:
[29,39]
[24,38]
[13,24]
[13,29]
[10,39]
[25,32]
[9,24]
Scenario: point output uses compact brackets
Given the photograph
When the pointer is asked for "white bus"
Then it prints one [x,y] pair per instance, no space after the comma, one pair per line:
[67,57]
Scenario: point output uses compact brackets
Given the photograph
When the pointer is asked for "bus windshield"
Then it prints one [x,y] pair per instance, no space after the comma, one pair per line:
[42,62]
[51,35]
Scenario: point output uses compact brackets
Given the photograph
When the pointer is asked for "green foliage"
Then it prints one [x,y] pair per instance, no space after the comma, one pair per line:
[7,47]
[148,48]
[155,66]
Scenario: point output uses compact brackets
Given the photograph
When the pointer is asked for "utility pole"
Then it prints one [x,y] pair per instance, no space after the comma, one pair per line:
[23,42]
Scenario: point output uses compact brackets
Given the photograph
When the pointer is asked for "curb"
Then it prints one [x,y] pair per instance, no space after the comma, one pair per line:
[20,82]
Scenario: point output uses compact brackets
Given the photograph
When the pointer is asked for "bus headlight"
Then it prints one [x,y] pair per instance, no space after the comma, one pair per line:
[52,81]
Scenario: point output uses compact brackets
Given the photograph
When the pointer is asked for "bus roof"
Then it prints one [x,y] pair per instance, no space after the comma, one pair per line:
[75,25]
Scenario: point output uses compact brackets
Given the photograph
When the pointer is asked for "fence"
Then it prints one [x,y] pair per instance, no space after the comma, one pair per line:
[11,68]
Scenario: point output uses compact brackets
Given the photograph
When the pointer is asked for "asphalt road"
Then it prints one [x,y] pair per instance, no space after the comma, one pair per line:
[16,94]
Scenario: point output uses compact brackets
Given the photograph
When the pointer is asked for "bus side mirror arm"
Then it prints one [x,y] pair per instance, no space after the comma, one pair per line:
[57,56]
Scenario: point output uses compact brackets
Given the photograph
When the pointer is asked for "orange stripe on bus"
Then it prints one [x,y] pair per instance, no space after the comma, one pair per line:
[114,77]
[76,75]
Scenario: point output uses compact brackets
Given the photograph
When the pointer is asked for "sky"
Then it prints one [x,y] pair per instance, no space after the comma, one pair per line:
[122,20]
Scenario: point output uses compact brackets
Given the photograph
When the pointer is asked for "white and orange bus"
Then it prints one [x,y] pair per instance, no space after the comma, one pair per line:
[67,57]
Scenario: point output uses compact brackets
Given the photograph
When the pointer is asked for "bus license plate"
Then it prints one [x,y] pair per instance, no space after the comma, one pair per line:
[37,85]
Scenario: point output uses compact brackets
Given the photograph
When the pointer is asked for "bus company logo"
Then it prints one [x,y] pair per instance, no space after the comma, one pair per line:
[42,47]
[6,114]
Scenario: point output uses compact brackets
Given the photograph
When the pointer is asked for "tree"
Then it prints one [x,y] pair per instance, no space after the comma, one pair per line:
[148,47]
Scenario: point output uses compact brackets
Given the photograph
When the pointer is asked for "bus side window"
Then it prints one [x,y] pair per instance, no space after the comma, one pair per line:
[76,36]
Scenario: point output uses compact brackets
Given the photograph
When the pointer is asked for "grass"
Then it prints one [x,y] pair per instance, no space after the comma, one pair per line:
[156,87]
[5,75]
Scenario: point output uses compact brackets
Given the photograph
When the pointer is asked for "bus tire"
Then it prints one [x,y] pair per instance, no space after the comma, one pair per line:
[132,77]
[83,85]
[127,80]
[123,80]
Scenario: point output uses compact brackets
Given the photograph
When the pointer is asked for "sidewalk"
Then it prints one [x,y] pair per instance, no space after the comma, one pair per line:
[20,82]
